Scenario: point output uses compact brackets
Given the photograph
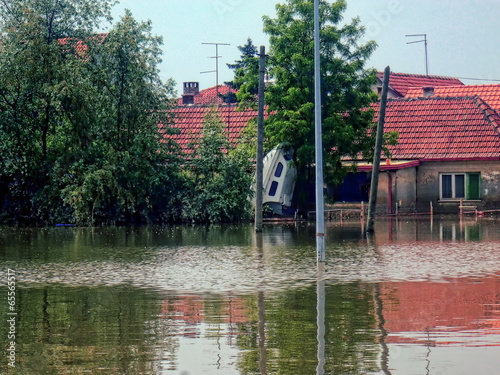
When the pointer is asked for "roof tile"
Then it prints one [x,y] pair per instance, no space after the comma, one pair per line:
[442,128]
[402,82]
[189,120]
[489,93]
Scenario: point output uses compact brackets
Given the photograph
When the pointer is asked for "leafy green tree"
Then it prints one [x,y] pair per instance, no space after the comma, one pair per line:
[132,174]
[346,87]
[36,74]
[220,185]
[79,115]
[248,57]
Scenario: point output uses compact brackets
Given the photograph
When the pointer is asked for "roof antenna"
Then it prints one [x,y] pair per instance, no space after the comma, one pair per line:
[216,71]
[420,41]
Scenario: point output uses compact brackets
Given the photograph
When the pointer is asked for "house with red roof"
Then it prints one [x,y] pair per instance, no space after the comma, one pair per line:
[400,83]
[489,93]
[193,106]
[448,152]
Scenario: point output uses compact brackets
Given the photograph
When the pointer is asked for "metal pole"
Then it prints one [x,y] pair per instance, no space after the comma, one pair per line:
[420,41]
[378,151]
[216,71]
[260,144]
[320,318]
[320,207]
[426,60]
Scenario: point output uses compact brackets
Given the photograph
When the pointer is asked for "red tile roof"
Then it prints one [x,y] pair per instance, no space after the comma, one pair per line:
[489,93]
[429,128]
[189,120]
[209,96]
[443,128]
[402,82]
[79,45]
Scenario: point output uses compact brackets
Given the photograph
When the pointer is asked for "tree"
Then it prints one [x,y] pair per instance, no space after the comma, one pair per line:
[219,187]
[346,87]
[37,73]
[132,174]
[248,57]
[79,115]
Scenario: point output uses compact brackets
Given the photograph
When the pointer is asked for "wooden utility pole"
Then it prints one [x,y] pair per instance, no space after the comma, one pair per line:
[378,152]
[260,144]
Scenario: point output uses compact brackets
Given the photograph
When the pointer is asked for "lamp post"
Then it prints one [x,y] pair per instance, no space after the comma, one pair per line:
[320,207]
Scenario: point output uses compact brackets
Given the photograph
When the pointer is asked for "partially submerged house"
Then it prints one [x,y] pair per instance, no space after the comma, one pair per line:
[193,106]
[448,152]
[448,149]
[279,172]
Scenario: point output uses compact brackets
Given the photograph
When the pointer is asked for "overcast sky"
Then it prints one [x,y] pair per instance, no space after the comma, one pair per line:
[462,34]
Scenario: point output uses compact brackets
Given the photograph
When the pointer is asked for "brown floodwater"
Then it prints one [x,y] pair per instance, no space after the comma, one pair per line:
[419,297]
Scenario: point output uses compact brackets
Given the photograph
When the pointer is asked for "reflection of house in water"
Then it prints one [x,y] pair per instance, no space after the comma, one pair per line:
[451,231]
[192,310]
[412,308]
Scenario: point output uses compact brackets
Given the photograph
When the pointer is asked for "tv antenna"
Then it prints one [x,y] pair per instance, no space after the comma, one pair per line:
[420,41]
[216,71]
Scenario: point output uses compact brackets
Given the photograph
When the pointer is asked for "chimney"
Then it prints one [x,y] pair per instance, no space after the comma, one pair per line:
[428,91]
[191,89]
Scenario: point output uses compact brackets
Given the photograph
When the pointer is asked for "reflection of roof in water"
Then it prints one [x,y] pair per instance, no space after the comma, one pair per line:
[468,304]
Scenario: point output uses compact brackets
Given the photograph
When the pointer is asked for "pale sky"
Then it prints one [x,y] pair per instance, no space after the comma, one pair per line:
[462,35]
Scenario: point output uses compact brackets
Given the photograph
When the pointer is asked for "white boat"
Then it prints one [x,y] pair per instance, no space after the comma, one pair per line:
[279,179]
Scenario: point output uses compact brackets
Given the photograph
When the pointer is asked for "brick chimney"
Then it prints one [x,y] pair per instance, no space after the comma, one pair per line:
[191,89]
[428,91]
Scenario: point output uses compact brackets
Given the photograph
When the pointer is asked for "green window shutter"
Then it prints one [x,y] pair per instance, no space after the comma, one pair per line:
[473,186]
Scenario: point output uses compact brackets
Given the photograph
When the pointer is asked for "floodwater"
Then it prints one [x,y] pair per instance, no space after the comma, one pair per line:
[419,297]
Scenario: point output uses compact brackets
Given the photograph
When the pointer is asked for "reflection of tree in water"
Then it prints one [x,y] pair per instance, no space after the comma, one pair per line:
[73,330]
[352,340]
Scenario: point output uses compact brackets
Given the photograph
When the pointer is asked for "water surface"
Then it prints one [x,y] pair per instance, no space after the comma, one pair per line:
[420,297]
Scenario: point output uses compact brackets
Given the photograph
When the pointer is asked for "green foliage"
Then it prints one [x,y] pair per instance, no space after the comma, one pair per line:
[248,58]
[346,85]
[219,188]
[134,172]
[79,135]
[38,77]
[84,125]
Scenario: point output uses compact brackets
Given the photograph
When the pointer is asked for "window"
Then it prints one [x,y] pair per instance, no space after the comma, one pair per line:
[272,190]
[279,170]
[460,186]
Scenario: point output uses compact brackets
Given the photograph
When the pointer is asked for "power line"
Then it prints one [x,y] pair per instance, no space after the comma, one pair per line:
[480,79]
